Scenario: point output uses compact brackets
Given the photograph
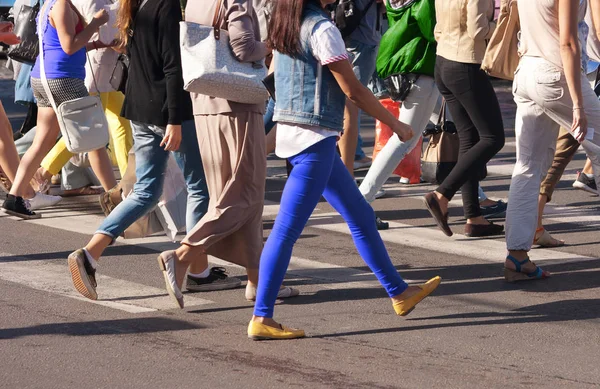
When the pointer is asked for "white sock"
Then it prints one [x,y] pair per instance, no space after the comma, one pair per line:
[591,176]
[90,258]
[204,274]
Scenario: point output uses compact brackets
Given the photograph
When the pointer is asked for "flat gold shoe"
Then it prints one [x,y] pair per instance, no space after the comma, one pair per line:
[405,307]
[259,331]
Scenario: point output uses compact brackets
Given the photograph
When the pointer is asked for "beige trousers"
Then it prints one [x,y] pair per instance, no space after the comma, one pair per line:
[543,106]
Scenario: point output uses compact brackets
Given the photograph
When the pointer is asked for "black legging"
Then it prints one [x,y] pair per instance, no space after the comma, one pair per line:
[474,106]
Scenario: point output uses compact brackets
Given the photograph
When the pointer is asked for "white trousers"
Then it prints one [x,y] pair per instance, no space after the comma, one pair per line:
[415,111]
[543,106]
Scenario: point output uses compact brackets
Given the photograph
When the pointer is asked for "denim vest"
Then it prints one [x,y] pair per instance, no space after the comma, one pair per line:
[306,92]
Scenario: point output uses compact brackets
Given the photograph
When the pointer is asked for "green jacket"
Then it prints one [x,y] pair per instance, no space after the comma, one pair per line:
[408,46]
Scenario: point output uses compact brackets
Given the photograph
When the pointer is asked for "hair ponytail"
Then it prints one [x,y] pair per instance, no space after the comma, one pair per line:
[284,26]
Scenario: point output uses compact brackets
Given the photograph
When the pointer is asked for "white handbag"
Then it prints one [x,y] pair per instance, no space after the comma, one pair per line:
[82,121]
[210,68]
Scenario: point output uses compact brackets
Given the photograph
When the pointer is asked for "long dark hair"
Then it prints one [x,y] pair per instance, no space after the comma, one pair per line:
[284,26]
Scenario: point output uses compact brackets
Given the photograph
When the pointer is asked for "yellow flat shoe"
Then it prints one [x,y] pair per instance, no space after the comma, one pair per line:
[405,307]
[259,331]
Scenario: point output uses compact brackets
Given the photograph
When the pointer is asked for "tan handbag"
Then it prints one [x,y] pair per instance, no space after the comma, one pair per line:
[441,154]
[502,56]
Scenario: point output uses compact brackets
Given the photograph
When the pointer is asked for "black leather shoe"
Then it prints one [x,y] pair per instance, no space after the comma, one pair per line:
[481,230]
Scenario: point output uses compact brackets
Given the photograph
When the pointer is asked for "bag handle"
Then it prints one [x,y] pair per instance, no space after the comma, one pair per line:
[218,19]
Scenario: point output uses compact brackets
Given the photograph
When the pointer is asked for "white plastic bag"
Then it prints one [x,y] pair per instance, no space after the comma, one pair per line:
[171,209]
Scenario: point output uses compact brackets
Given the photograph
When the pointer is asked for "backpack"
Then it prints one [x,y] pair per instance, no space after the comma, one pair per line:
[347,16]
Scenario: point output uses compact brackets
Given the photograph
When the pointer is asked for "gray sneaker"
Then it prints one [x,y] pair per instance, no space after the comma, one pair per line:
[216,280]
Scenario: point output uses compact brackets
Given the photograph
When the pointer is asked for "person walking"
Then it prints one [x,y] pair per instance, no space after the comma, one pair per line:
[550,90]
[462,29]
[408,48]
[161,123]
[232,144]
[99,67]
[310,60]
[65,42]
[362,45]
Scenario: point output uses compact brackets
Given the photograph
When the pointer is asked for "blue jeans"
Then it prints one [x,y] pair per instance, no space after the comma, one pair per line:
[363,62]
[268,118]
[318,171]
[151,162]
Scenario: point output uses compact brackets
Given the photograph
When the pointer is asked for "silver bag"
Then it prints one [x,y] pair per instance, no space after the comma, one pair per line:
[82,121]
[210,68]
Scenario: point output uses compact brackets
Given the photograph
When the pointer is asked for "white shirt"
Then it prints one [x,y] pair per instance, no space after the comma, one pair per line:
[327,46]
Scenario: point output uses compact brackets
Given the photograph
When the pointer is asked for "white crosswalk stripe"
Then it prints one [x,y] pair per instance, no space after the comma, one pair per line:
[137,298]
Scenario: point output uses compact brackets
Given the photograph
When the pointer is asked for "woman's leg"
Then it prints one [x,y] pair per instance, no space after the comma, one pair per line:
[348,143]
[45,138]
[474,106]
[120,129]
[151,162]
[56,158]
[300,196]
[102,167]
[415,111]
[536,135]
[342,194]
[9,157]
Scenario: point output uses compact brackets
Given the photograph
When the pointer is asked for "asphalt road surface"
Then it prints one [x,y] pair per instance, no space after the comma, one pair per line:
[476,331]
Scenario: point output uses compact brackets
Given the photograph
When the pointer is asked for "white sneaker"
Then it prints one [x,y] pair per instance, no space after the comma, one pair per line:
[404,180]
[41,200]
[380,193]
[363,163]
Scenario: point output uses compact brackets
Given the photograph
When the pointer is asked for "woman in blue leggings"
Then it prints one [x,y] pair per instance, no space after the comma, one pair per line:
[313,77]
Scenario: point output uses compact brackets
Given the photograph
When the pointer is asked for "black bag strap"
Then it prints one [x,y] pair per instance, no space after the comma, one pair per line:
[442,115]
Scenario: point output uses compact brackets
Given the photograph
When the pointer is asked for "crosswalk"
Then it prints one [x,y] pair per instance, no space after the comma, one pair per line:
[136,298]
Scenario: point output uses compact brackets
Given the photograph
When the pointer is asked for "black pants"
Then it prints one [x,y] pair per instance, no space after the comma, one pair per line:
[472,102]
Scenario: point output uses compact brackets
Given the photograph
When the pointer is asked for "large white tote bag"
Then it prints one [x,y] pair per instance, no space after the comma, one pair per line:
[210,68]
[82,121]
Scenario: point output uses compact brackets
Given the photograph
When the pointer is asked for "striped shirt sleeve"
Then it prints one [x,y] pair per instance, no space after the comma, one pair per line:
[327,44]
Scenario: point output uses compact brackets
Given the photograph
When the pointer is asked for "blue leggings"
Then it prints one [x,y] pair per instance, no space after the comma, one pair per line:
[318,171]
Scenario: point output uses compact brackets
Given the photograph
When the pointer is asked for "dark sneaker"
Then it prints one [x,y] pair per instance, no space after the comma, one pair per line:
[83,274]
[496,210]
[585,183]
[381,225]
[17,206]
[216,280]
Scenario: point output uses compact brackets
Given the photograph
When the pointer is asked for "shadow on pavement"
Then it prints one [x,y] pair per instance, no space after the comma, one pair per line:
[560,311]
[136,325]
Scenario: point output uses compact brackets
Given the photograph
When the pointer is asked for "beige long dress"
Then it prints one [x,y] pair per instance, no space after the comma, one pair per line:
[232,144]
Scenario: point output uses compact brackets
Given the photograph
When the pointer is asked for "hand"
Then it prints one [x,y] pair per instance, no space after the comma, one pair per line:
[6,27]
[9,38]
[101,17]
[579,120]
[172,138]
[101,45]
[404,131]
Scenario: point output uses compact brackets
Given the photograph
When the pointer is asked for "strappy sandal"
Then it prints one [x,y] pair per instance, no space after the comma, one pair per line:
[517,275]
[546,240]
